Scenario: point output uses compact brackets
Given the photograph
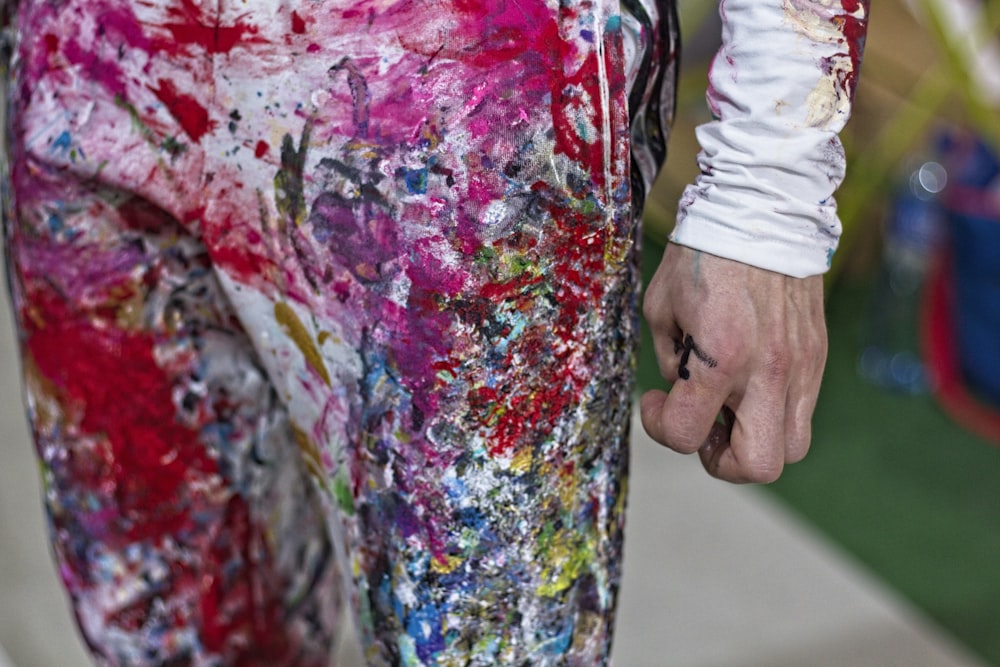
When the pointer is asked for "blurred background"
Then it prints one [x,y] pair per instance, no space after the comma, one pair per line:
[883,547]
[904,468]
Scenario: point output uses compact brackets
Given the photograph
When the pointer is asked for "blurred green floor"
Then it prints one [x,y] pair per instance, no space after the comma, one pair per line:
[896,484]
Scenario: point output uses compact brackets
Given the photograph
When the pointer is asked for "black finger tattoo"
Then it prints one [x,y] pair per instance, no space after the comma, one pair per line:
[689,347]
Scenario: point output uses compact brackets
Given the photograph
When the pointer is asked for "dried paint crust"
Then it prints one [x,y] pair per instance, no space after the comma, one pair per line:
[328,293]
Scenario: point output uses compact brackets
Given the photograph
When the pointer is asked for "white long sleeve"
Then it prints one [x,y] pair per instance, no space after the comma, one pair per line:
[781,89]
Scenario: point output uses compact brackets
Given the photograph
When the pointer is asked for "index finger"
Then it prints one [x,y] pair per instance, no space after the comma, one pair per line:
[683,418]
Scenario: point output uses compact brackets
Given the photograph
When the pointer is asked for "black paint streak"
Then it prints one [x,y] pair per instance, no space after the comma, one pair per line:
[686,349]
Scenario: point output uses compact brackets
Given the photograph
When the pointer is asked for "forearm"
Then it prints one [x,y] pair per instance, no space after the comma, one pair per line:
[781,89]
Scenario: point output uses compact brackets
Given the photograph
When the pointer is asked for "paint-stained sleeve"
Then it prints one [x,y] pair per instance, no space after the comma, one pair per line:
[780,89]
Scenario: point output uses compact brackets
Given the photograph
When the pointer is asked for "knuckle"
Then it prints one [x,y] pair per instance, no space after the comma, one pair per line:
[763,464]
[764,473]
[822,344]
[665,427]
[679,437]
[798,444]
[815,345]
[653,308]
[648,311]
[682,445]
[776,362]
[730,353]
[796,454]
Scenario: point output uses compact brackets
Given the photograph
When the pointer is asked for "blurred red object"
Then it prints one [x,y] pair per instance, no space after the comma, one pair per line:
[940,352]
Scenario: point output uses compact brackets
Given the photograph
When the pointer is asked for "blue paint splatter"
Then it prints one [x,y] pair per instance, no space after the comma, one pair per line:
[63,142]
[416,181]
[424,625]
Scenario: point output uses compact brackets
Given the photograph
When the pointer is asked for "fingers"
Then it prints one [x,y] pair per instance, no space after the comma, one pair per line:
[766,412]
[809,347]
[667,338]
[754,451]
[718,437]
[802,397]
[772,424]
[683,419]
[768,334]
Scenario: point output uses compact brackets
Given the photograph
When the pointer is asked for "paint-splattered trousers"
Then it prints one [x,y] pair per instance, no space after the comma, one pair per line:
[333,299]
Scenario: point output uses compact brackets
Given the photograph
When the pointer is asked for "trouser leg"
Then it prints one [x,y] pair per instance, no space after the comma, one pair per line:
[428,232]
[185,527]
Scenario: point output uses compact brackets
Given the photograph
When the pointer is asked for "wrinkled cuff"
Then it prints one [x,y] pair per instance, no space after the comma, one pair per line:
[765,197]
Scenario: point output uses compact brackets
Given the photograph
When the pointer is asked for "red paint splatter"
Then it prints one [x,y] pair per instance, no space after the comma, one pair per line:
[193,30]
[192,117]
[214,40]
[854,30]
[235,617]
[556,348]
[260,150]
[230,248]
[113,379]
[576,97]
[141,215]
[298,24]
[156,477]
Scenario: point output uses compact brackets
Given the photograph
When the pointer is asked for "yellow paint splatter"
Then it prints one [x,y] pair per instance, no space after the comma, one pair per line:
[522,460]
[310,452]
[568,557]
[445,564]
[622,495]
[293,327]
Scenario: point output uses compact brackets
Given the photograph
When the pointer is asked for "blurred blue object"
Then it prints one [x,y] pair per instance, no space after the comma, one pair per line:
[972,202]
[911,235]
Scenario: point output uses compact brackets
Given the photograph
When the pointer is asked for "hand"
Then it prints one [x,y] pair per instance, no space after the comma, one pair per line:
[738,343]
